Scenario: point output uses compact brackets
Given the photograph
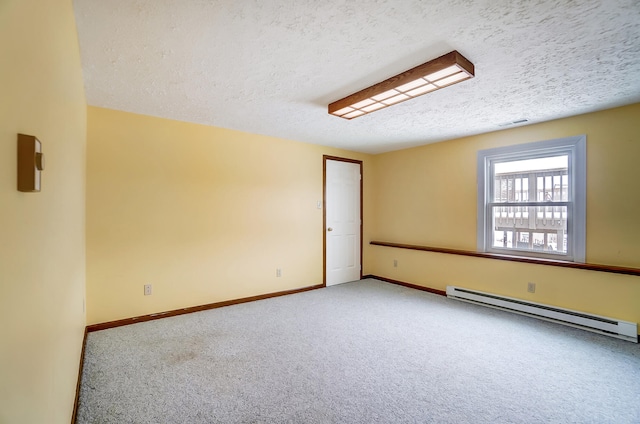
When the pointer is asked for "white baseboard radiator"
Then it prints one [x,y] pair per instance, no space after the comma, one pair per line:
[603,325]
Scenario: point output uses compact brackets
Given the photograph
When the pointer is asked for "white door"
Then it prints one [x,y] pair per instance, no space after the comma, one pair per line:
[342,229]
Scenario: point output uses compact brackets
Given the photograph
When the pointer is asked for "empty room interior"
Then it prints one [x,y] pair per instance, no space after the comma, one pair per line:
[204,154]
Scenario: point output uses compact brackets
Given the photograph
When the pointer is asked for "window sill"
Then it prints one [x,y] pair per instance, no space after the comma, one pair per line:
[536,261]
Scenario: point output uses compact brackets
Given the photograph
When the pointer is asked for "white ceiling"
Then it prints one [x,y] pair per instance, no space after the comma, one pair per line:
[272,66]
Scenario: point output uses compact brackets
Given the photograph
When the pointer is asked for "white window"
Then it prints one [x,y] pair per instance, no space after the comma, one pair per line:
[532,199]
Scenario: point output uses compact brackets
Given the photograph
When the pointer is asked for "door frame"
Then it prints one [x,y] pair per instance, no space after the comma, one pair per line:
[325,158]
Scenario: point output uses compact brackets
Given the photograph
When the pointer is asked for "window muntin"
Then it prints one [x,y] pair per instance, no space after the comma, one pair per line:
[531,199]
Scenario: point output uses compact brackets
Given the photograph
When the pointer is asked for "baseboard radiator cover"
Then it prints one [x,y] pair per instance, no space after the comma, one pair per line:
[598,324]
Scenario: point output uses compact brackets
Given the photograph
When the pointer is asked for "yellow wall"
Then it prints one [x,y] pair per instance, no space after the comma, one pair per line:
[203,214]
[42,235]
[427,196]
[206,214]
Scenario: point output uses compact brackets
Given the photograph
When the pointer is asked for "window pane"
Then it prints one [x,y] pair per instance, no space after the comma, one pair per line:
[530,228]
[547,177]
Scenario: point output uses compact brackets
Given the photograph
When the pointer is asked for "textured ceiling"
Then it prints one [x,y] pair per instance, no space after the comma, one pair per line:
[272,66]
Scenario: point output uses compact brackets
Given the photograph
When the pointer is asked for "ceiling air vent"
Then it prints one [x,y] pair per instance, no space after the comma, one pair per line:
[508,124]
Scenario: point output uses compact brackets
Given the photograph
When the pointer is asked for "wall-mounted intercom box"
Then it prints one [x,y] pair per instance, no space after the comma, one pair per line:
[30,163]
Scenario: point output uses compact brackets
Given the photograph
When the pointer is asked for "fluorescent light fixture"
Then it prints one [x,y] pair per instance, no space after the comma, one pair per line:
[385,95]
[452,79]
[343,111]
[441,74]
[433,75]
[365,102]
[354,114]
[396,99]
[411,85]
[422,90]
[373,107]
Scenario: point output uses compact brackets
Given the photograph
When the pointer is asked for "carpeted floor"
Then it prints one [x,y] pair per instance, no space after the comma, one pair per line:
[363,352]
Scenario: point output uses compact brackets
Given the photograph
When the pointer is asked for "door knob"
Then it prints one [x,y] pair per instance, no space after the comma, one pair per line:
[329,229]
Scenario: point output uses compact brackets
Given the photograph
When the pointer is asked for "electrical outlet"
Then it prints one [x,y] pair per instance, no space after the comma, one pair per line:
[531,287]
[278,272]
[147,289]
[395,263]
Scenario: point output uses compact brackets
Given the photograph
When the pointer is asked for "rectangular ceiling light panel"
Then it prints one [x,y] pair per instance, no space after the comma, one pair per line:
[433,75]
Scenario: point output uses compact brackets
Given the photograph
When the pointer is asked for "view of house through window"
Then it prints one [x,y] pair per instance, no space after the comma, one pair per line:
[521,225]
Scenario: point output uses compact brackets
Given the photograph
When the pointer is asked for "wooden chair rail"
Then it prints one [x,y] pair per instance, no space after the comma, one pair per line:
[536,261]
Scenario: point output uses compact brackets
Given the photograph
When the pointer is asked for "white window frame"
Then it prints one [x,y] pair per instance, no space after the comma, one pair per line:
[576,148]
